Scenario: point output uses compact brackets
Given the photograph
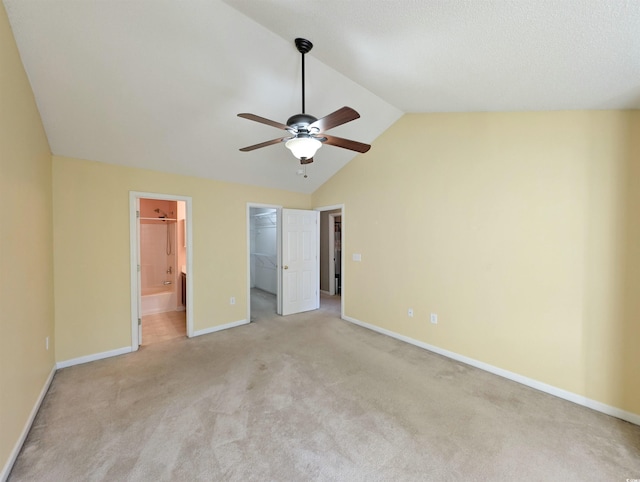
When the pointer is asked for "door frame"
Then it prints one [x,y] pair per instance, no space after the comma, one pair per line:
[278,209]
[332,252]
[134,243]
[334,207]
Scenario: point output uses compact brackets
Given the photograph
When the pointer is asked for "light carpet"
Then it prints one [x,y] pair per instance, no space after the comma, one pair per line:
[311,397]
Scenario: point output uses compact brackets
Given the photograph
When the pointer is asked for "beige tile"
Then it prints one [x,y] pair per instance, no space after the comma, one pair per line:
[163,327]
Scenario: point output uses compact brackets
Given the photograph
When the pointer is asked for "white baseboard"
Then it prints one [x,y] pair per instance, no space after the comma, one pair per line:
[27,426]
[94,357]
[226,326]
[326,292]
[530,382]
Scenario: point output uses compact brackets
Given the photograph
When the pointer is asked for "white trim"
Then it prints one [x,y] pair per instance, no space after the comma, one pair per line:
[94,357]
[134,196]
[226,326]
[530,382]
[27,426]
[134,204]
[333,207]
[326,292]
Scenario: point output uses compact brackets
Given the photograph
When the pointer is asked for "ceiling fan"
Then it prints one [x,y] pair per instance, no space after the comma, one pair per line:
[307,133]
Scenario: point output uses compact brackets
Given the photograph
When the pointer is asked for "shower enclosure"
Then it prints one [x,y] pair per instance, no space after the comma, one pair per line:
[158,256]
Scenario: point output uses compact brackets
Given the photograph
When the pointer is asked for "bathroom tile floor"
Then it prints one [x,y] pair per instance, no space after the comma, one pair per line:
[163,326]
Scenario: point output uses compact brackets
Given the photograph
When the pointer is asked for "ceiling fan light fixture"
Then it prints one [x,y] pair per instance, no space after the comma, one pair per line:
[303,147]
[308,132]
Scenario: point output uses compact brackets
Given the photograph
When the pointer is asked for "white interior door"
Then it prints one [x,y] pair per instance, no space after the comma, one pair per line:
[300,268]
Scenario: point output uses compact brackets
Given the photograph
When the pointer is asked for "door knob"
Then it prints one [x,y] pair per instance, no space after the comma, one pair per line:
[286,267]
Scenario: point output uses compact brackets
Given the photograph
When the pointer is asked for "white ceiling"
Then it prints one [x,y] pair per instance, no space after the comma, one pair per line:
[157,84]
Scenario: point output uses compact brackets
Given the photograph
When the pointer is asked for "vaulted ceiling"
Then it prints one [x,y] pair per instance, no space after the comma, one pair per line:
[157,84]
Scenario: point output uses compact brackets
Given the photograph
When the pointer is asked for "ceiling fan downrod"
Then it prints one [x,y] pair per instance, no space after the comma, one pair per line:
[304,46]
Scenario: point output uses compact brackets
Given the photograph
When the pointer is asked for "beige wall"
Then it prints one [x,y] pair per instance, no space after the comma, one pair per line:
[520,230]
[91,241]
[26,257]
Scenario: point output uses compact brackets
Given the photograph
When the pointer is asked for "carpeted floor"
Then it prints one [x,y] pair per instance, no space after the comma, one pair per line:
[311,397]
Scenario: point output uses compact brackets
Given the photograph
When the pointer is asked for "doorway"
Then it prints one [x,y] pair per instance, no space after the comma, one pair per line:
[161,287]
[296,261]
[331,259]
[264,249]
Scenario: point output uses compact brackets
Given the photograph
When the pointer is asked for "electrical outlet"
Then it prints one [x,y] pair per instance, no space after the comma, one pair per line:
[410,312]
[46,343]
[232,301]
[434,318]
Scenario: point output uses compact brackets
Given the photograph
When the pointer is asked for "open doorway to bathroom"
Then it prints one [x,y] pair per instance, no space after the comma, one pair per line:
[162,270]
[161,254]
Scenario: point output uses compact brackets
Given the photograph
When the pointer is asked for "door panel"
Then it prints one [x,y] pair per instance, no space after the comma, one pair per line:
[300,287]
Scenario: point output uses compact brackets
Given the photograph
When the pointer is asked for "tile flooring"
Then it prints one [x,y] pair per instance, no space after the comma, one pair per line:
[163,326]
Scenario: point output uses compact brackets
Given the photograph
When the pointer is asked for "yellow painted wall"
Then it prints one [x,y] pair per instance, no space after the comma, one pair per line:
[26,255]
[520,230]
[91,241]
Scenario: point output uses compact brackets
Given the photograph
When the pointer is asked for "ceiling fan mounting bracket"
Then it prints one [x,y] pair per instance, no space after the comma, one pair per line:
[304,46]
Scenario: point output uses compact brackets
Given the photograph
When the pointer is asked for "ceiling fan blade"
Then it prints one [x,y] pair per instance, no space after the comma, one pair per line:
[263,120]
[335,119]
[346,143]
[265,144]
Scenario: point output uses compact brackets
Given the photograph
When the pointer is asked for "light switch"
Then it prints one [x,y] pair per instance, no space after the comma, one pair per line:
[357,257]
